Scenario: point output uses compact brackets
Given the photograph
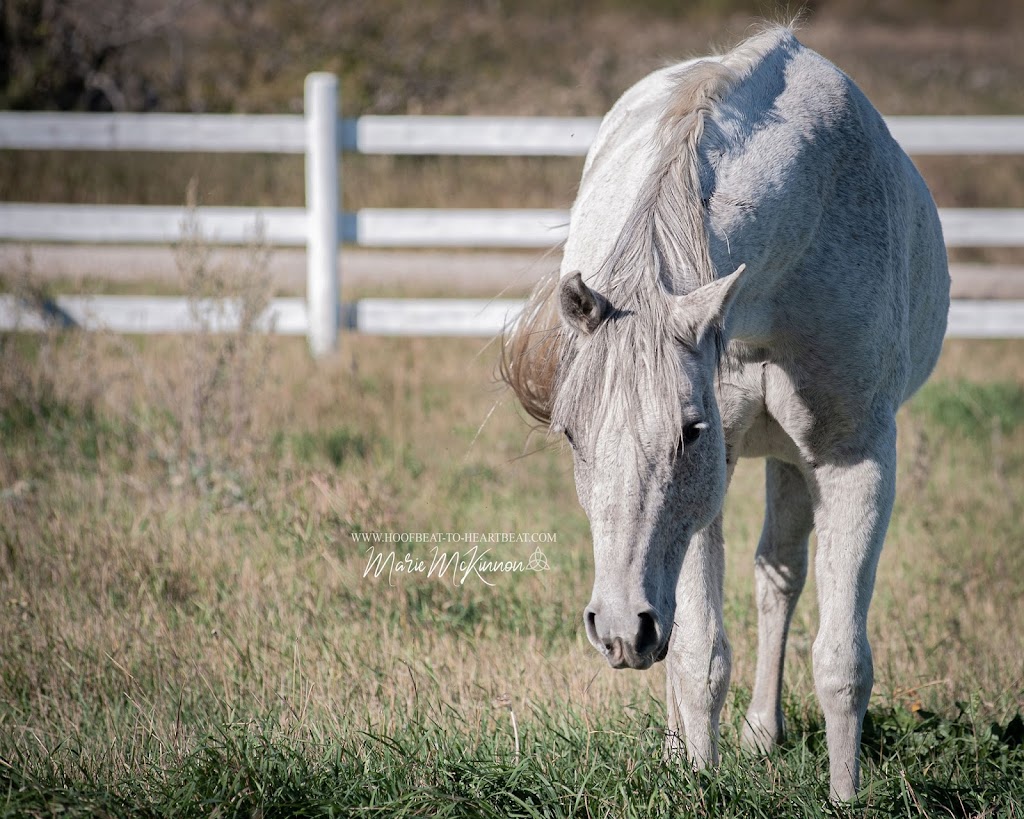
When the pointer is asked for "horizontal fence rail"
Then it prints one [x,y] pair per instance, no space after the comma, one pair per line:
[470,136]
[393,317]
[286,316]
[319,134]
[383,227]
[118,224]
[411,135]
[215,133]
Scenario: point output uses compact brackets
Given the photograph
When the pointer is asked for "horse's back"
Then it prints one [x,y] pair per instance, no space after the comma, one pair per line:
[806,185]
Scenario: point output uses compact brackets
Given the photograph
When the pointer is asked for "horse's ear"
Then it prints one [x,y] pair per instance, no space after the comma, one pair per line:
[581,308]
[706,307]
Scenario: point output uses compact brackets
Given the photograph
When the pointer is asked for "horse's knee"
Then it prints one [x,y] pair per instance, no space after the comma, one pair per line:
[701,679]
[708,681]
[719,674]
[843,674]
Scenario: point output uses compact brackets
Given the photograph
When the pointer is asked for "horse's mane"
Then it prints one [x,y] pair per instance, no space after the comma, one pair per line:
[662,248]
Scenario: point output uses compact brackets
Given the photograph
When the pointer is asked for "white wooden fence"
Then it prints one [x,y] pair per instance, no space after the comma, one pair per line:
[320,135]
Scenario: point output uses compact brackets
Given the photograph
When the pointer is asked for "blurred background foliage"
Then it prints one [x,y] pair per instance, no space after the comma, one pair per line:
[446,56]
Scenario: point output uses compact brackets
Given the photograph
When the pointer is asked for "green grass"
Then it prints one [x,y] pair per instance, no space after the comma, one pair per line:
[971,409]
[335,446]
[557,763]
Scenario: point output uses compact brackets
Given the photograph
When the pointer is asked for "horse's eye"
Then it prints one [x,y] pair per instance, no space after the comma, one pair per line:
[568,437]
[691,432]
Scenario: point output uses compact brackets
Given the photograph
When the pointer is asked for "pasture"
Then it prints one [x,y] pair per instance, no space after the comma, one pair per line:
[186,628]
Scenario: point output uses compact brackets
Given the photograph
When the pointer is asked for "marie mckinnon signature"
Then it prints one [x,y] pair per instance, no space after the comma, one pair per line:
[456,566]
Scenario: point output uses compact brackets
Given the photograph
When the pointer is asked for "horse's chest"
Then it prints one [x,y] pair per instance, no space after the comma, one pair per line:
[750,410]
[765,438]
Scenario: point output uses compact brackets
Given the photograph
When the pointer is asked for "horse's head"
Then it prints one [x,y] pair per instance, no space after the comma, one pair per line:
[635,398]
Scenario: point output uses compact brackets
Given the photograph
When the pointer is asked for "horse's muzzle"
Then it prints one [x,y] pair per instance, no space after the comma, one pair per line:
[638,646]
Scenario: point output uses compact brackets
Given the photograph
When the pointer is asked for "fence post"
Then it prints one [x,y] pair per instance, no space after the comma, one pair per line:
[321,109]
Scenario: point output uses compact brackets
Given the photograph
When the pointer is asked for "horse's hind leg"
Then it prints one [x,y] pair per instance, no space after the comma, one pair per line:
[779,572]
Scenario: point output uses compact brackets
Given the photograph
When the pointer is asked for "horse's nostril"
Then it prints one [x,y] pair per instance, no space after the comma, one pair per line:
[647,636]
[616,652]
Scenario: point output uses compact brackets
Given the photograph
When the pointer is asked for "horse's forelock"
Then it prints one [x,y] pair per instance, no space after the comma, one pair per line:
[531,349]
[626,370]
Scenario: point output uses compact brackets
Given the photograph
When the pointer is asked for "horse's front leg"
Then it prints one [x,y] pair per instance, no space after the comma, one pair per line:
[853,501]
[699,660]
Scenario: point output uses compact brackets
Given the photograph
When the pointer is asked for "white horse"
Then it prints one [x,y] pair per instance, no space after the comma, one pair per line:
[754,268]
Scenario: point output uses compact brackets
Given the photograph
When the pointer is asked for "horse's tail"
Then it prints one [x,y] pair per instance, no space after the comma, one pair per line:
[531,349]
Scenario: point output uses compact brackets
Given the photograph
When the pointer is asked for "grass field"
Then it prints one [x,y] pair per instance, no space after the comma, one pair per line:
[186,628]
